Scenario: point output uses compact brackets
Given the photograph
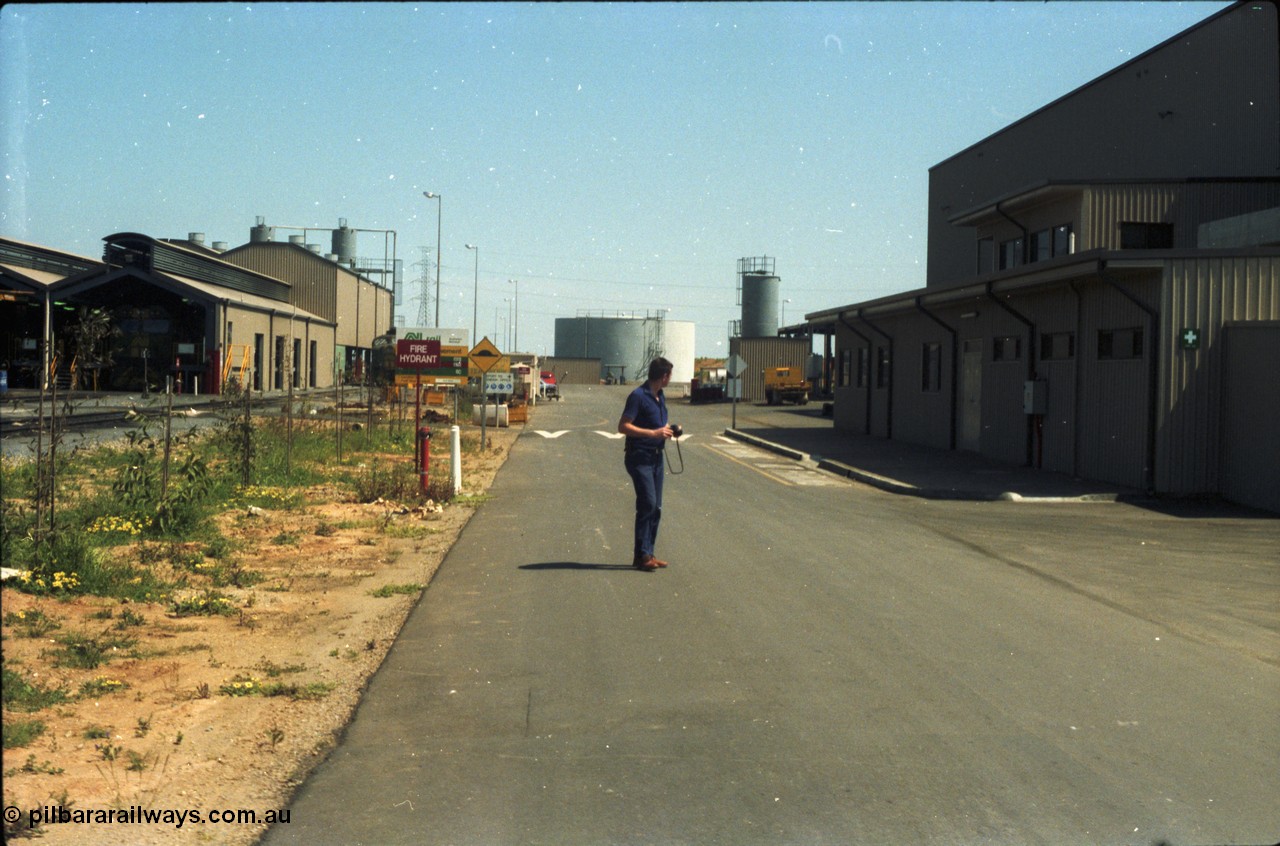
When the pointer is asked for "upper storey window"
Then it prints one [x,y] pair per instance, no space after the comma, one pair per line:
[1146,236]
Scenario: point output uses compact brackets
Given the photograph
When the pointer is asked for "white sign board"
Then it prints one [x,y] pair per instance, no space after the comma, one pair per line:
[499,383]
[736,366]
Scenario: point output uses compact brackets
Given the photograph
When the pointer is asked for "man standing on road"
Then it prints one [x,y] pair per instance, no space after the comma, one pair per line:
[644,422]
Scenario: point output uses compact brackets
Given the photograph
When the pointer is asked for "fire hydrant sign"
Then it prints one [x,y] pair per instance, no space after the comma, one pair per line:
[417,355]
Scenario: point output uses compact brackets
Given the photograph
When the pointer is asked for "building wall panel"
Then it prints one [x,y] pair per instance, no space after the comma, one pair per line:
[1203,295]
[1114,397]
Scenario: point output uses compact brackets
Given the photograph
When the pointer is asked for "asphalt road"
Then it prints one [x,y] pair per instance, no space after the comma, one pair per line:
[823,663]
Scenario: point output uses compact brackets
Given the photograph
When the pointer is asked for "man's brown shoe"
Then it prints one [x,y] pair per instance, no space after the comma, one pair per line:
[658,562]
[645,562]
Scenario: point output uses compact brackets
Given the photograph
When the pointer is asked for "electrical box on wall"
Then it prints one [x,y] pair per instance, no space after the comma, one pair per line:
[1035,397]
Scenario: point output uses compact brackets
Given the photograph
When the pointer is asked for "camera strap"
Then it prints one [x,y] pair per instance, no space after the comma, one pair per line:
[679,455]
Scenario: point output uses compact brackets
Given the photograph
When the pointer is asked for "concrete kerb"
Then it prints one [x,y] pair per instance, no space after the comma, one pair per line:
[895,486]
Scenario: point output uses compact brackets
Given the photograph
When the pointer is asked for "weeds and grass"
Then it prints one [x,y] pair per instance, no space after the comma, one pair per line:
[21,733]
[32,768]
[32,623]
[83,651]
[409,589]
[211,603]
[22,695]
[101,685]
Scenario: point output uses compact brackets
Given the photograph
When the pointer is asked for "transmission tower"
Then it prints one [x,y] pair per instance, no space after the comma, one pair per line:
[424,282]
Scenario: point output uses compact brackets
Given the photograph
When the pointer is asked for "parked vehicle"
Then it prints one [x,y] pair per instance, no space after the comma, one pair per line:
[785,384]
[550,390]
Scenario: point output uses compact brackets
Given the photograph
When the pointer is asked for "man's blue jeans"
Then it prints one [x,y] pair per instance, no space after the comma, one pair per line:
[645,468]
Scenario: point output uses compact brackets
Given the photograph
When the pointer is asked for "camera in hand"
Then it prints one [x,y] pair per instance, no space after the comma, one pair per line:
[676,430]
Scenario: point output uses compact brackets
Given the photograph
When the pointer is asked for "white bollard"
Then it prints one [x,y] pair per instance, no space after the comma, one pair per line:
[455,459]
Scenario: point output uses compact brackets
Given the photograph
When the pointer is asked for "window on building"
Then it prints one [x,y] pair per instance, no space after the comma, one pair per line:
[882,367]
[1051,242]
[1119,344]
[1146,236]
[258,364]
[1010,253]
[986,255]
[278,371]
[1006,348]
[1063,242]
[297,363]
[864,366]
[931,368]
[1057,346]
[845,377]
[1042,245]
[311,366]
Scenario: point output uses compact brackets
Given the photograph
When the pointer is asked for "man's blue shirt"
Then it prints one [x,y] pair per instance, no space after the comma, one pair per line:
[648,412]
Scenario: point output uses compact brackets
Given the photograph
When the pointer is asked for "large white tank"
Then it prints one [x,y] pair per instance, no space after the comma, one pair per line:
[626,344]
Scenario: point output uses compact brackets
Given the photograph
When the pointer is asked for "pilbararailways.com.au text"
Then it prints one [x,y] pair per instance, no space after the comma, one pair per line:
[138,815]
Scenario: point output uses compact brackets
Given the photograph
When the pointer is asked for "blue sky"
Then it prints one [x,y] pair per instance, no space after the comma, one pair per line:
[611,158]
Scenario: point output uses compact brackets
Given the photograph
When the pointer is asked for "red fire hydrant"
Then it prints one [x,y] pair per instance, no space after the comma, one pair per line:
[424,450]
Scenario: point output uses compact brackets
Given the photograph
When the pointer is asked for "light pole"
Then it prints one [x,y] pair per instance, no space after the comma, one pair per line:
[515,324]
[439,214]
[475,302]
[784,312]
[510,323]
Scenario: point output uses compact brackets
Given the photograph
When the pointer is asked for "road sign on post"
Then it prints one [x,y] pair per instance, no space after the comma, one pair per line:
[485,357]
[417,355]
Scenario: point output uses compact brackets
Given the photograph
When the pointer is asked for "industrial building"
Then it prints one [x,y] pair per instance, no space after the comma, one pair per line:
[268,315]
[1103,287]
[624,344]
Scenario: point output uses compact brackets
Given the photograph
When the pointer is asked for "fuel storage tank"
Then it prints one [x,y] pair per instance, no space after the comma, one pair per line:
[625,344]
[758,291]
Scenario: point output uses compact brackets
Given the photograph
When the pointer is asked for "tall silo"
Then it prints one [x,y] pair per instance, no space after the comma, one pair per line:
[344,242]
[758,292]
[262,233]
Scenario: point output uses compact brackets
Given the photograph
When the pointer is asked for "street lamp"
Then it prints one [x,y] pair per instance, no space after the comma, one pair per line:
[515,324]
[475,302]
[784,312]
[439,214]
[510,322]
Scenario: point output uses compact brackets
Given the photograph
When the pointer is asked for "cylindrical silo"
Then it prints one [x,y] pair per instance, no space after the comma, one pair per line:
[759,305]
[262,233]
[344,241]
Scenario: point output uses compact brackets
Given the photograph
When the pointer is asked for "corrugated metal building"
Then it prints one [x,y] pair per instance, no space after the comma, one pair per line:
[1103,277]
[184,311]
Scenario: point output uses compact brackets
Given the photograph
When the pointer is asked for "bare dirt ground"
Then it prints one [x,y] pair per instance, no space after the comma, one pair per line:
[226,713]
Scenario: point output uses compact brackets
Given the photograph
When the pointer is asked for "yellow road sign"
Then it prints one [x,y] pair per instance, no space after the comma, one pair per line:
[485,357]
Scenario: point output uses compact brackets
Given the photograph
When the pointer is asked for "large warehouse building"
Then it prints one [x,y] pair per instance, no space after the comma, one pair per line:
[1103,286]
[268,315]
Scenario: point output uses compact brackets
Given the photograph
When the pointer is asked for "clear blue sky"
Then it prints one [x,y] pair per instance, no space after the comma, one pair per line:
[609,157]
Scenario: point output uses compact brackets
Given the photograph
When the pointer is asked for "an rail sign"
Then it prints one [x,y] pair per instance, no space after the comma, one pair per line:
[417,355]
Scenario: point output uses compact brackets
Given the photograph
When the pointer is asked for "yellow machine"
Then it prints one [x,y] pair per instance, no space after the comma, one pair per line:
[785,384]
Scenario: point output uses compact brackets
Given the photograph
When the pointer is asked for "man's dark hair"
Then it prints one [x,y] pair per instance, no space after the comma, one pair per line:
[659,367]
